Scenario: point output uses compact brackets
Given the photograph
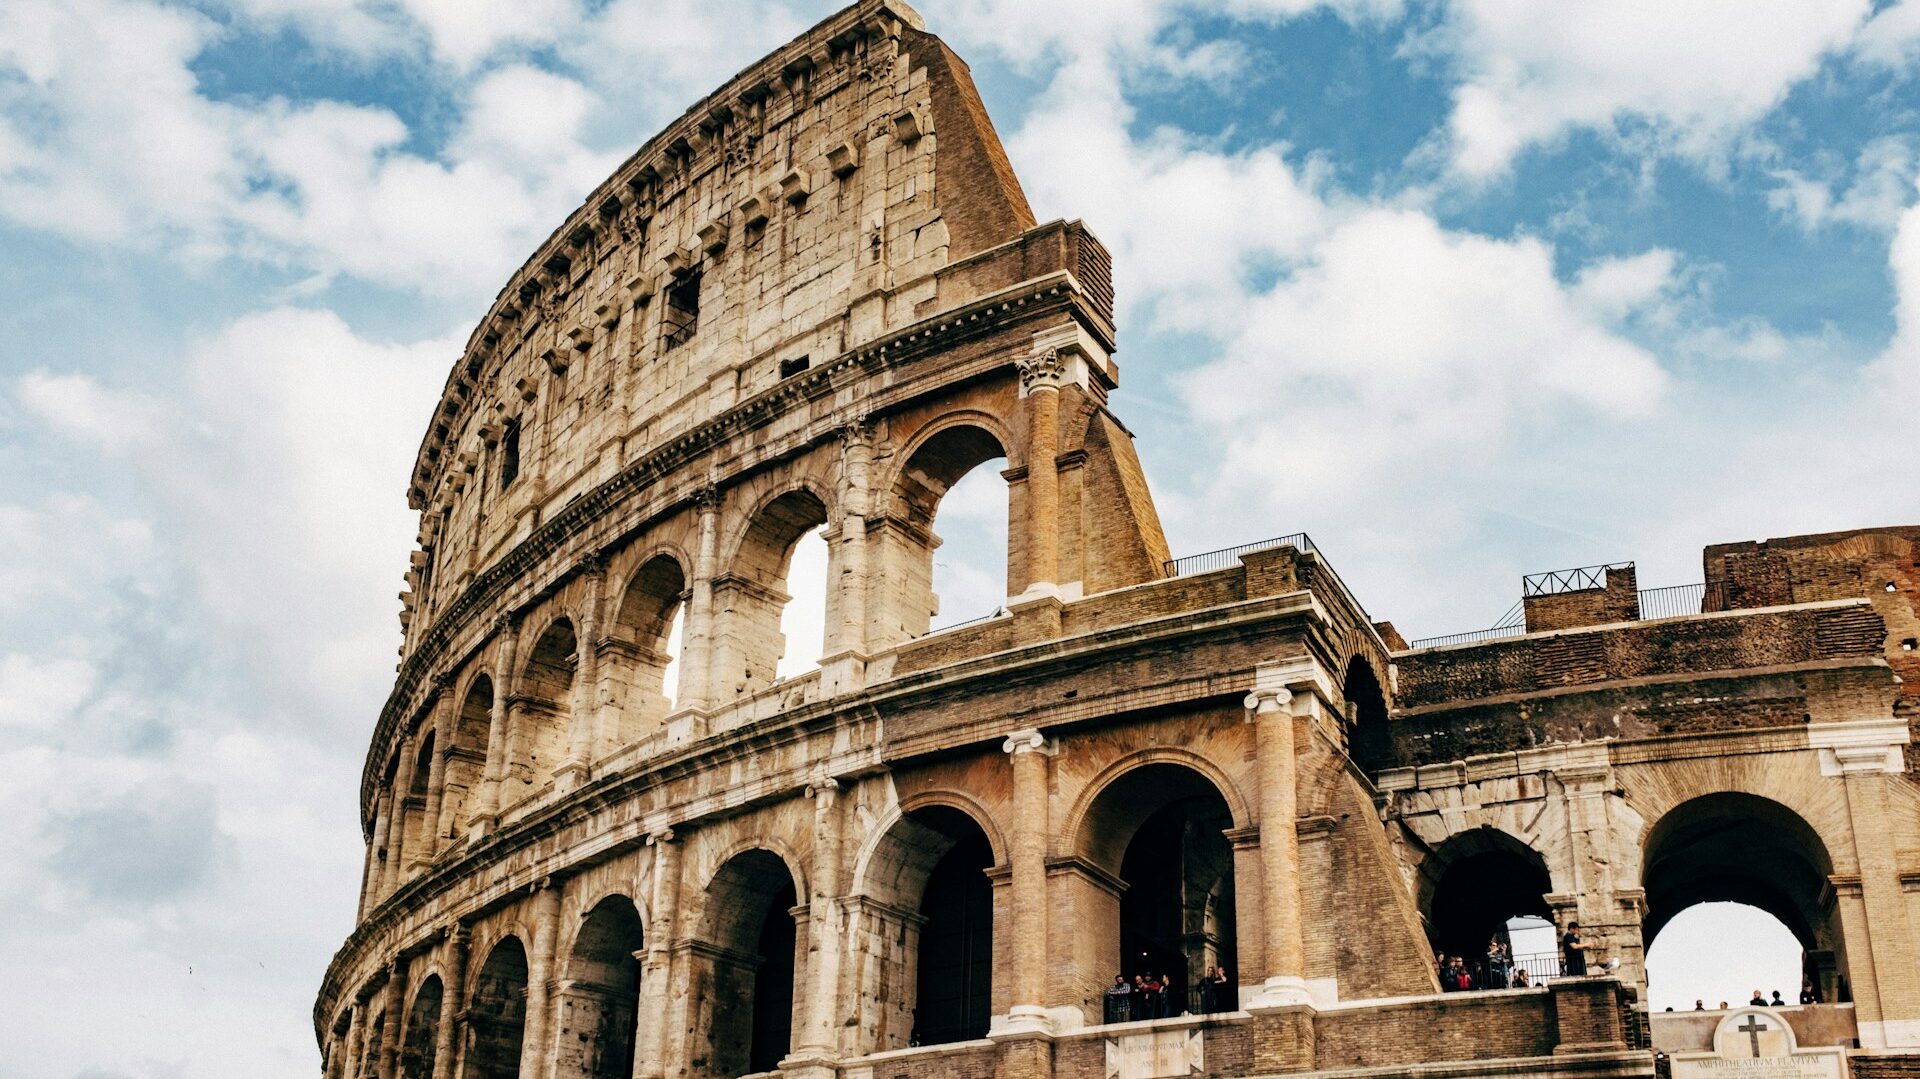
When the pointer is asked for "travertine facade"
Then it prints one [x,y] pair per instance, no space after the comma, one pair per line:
[816,301]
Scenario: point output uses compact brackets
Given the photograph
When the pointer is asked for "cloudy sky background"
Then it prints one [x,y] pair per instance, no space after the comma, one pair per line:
[1465,289]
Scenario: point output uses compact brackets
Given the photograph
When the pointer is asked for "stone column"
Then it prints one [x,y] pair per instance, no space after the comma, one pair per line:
[1273,719]
[453,1003]
[1040,379]
[395,999]
[696,640]
[823,968]
[850,566]
[397,817]
[1027,859]
[370,867]
[584,711]
[355,1022]
[429,848]
[504,685]
[650,1046]
[379,853]
[536,1051]
[1886,987]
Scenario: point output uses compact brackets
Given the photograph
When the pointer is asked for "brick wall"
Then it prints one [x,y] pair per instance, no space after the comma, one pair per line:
[1619,601]
[1461,1026]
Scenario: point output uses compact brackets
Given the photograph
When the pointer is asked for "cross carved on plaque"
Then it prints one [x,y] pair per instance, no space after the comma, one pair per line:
[1752,1028]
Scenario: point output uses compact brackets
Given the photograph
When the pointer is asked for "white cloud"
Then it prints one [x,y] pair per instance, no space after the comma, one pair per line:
[1892,36]
[1879,187]
[40,693]
[1695,73]
[79,408]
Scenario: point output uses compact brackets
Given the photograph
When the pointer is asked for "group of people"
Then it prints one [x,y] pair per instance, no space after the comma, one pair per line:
[1151,996]
[1808,995]
[1495,971]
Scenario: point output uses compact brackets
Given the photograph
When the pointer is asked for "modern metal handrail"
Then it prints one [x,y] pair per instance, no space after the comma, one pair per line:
[1209,561]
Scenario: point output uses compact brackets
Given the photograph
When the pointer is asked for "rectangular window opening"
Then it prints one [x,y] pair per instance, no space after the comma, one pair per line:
[680,319]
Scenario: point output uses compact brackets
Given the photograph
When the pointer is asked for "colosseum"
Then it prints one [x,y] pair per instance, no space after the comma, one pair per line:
[607,838]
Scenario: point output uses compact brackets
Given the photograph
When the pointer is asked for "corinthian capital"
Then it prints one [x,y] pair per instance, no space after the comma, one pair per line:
[1043,370]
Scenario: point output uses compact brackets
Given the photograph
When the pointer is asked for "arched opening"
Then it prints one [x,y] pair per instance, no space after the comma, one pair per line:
[601,994]
[754,634]
[646,640]
[466,757]
[1485,888]
[497,1013]
[1369,740]
[749,970]
[539,737]
[416,832]
[423,1025]
[932,861]
[1716,953]
[960,573]
[1161,829]
[803,621]
[1740,848]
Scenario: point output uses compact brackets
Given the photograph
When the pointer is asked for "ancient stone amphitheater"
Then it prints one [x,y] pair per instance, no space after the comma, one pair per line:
[817,300]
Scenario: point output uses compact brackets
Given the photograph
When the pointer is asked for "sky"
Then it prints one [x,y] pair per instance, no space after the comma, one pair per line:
[1463,288]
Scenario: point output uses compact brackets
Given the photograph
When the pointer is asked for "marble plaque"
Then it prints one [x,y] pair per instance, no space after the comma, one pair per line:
[1155,1054]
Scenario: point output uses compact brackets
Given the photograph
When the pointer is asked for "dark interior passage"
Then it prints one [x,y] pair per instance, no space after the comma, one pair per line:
[953,998]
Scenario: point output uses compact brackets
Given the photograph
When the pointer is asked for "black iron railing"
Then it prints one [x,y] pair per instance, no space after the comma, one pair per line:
[1555,581]
[1230,556]
[1673,601]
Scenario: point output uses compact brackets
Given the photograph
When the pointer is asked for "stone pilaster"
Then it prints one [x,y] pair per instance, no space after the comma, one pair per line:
[505,684]
[1885,992]
[1270,710]
[536,1050]
[429,846]
[1030,751]
[696,640]
[397,817]
[823,967]
[656,972]
[584,710]
[1040,379]
[453,1002]
[393,1000]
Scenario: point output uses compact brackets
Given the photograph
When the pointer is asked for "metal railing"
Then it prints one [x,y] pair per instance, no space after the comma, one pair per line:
[1511,624]
[1673,601]
[1198,1000]
[1230,556]
[997,612]
[1555,581]
[1678,600]
[1538,967]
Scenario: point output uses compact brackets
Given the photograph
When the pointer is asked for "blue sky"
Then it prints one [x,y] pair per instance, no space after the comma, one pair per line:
[1464,288]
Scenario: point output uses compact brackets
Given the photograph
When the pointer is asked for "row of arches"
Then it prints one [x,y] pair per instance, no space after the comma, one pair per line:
[925,893]
[1484,885]
[773,608]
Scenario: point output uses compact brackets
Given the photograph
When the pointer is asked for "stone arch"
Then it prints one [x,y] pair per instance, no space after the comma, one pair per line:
[466,753]
[1472,884]
[1364,718]
[636,652]
[542,708]
[1737,847]
[747,967]
[864,861]
[929,906]
[600,993]
[1076,819]
[497,1011]
[1155,882]
[418,1037]
[750,594]
[931,463]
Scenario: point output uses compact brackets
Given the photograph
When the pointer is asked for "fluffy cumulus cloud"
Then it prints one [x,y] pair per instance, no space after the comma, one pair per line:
[1691,75]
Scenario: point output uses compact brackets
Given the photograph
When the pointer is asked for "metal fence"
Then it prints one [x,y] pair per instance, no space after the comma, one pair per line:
[1556,581]
[1230,556]
[1678,600]
[1198,1000]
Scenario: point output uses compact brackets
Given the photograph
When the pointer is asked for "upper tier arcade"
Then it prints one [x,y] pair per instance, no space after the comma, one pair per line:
[815,301]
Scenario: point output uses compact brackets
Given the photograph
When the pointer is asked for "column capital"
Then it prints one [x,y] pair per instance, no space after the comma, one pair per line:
[661,838]
[1044,370]
[1267,700]
[857,432]
[1029,740]
[706,497]
[823,789]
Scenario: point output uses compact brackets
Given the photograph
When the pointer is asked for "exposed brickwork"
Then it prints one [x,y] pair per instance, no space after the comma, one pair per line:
[1463,1027]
